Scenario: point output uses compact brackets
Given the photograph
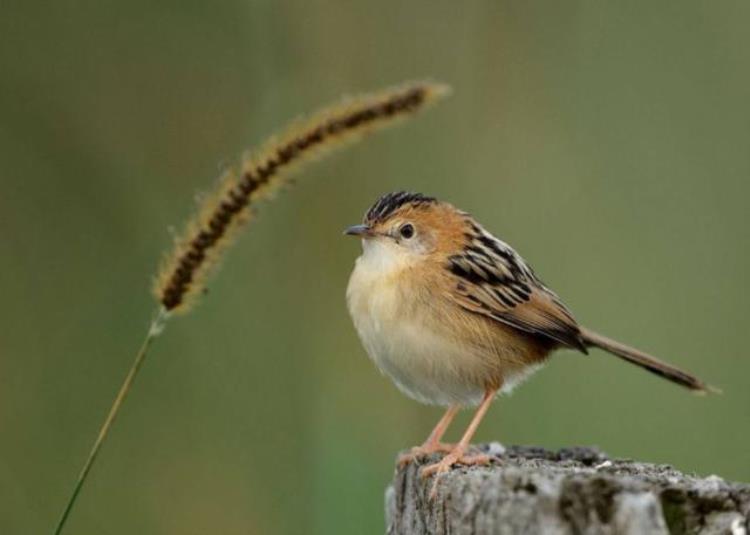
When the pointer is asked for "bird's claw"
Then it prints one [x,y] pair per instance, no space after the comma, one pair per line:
[418,452]
[456,456]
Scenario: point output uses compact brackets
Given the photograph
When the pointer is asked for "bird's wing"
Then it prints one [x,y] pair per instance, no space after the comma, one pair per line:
[489,278]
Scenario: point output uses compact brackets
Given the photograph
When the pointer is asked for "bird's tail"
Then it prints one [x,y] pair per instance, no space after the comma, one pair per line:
[646,361]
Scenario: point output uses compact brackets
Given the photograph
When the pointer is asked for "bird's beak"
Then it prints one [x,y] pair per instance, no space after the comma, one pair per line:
[359,230]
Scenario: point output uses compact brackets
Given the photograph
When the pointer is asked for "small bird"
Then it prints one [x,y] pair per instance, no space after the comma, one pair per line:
[454,316]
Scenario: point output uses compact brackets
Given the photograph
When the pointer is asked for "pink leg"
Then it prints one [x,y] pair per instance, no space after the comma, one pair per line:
[432,444]
[457,454]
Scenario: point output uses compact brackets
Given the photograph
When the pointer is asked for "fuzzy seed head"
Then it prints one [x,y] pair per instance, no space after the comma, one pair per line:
[200,247]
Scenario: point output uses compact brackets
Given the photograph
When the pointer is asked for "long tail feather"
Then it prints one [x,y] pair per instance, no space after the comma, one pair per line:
[647,362]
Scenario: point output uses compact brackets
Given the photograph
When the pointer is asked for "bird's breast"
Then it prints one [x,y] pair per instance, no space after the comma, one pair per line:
[409,341]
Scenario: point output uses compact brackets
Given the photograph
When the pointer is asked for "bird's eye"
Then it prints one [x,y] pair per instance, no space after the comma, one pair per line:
[406,231]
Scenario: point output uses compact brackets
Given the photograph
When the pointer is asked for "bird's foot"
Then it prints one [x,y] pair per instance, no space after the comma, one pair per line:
[426,449]
[456,456]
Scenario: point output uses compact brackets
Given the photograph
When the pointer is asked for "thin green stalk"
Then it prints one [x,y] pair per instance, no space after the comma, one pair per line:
[156,327]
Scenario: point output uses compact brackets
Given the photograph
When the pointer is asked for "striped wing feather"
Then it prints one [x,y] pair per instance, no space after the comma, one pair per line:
[491,279]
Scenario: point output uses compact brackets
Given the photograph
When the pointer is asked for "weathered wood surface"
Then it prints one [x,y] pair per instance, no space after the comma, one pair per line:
[570,491]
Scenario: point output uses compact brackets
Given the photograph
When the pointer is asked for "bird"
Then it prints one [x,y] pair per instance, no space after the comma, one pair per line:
[455,316]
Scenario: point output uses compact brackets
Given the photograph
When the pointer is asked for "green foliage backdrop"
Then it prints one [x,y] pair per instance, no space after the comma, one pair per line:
[608,142]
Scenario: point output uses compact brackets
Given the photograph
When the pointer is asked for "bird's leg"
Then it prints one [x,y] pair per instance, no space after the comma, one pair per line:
[457,454]
[432,444]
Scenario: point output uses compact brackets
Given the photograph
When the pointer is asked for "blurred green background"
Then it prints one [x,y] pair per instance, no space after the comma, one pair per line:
[608,142]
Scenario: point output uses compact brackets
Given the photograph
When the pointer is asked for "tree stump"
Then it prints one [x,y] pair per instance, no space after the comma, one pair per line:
[570,491]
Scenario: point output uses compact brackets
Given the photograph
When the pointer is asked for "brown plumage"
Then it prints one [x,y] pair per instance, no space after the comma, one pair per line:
[454,315]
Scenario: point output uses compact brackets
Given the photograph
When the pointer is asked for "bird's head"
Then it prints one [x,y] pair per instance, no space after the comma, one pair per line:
[406,228]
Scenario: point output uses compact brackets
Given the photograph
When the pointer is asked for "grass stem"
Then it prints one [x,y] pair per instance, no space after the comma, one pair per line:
[157,325]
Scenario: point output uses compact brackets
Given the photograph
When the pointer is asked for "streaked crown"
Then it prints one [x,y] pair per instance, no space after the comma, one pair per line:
[390,203]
